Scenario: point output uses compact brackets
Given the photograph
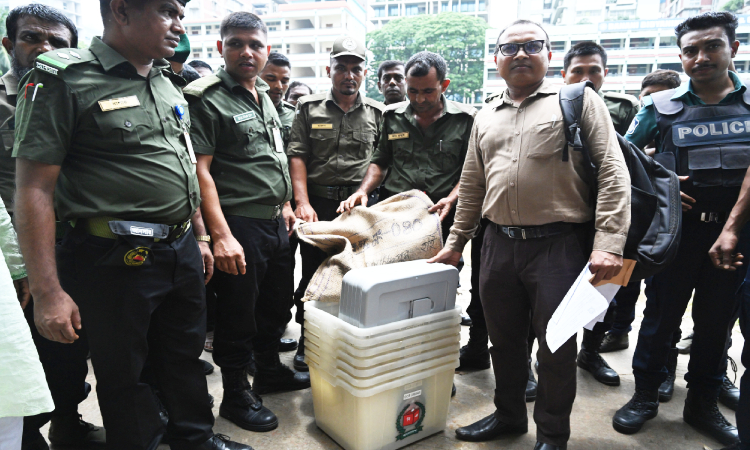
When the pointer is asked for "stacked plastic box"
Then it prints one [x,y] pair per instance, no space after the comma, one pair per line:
[381,387]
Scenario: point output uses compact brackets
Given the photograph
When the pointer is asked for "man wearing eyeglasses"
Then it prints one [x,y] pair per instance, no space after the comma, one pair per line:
[539,233]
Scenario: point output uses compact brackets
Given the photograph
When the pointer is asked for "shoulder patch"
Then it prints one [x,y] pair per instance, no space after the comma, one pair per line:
[468,109]
[58,60]
[311,98]
[622,97]
[633,126]
[199,87]
[374,103]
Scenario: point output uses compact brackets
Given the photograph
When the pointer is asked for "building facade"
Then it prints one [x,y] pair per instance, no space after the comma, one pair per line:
[380,12]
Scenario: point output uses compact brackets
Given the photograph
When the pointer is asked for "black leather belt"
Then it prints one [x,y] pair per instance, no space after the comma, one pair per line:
[339,193]
[719,217]
[541,231]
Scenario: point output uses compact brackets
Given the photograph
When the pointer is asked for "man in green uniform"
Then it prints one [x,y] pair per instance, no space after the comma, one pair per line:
[333,138]
[423,142]
[391,81]
[33,30]
[102,136]
[277,74]
[246,190]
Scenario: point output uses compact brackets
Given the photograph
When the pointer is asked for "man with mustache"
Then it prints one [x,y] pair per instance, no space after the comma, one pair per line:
[102,140]
[391,81]
[711,167]
[333,138]
[33,30]
[538,236]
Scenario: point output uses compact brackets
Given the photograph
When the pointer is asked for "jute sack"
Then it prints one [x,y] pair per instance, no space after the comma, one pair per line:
[395,230]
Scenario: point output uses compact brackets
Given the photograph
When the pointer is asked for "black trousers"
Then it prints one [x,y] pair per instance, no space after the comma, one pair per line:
[156,310]
[65,368]
[252,309]
[521,283]
[474,310]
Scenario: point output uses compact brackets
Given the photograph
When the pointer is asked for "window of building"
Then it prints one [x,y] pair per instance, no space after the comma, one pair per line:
[393,10]
[490,49]
[478,97]
[638,69]
[454,6]
[274,25]
[468,6]
[411,10]
[612,44]
[210,55]
[554,72]
[444,7]
[744,38]
[558,46]
[196,55]
[642,42]
[667,41]
[481,5]
[614,70]
[492,74]
[379,11]
[329,25]
[677,67]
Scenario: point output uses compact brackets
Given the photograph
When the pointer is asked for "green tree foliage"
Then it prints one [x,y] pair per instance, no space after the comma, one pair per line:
[733,5]
[456,37]
[4,57]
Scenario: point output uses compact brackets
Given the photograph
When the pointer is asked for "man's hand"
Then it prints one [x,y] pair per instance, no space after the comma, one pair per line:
[208,260]
[56,317]
[721,252]
[289,218]
[604,265]
[229,255]
[357,198]
[443,207]
[22,291]
[306,212]
[446,256]
[687,201]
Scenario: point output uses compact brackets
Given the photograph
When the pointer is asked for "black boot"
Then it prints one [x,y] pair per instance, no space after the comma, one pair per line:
[613,342]
[37,442]
[489,428]
[71,430]
[729,395]
[299,358]
[208,368]
[242,406]
[545,446]
[287,345]
[667,388]
[475,355]
[272,376]
[221,442]
[591,361]
[702,413]
[642,407]
[531,386]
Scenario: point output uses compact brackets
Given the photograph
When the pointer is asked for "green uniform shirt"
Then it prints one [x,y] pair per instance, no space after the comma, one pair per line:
[622,109]
[126,158]
[429,160]
[8,91]
[228,124]
[286,115]
[337,145]
[643,130]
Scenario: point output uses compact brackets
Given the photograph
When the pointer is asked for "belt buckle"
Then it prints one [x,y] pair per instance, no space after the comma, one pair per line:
[510,232]
[332,192]
[276,212]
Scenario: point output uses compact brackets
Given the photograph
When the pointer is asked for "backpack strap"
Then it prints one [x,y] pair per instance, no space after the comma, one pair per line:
[571,104]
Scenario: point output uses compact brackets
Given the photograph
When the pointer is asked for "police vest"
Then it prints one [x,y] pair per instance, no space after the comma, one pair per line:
[708,143]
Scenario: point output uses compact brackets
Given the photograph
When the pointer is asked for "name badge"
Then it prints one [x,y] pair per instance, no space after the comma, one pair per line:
[141,231]
[119,103]
[244,117]
[723,130]
[277,141]
[322,126]
[394,136]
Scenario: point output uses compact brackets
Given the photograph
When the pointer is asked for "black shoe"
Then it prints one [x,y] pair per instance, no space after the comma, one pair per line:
[250,369]
[666,390]
[453,390]
[299,358]
[35,443]
[684,345]
[531,386]
[272,376]
[287,345]
[466,320]
[208,368]
[72,430]
[242,406]
[642,407]
[211,400]
[221,442]
[613,342]
[702,413]
[545,446]
[472,357]
[594,363]
[488,428]
[729,395]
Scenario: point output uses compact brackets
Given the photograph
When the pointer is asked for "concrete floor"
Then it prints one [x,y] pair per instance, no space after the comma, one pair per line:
[591,419]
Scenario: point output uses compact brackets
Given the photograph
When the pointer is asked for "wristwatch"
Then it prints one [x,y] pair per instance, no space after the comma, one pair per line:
[205,238]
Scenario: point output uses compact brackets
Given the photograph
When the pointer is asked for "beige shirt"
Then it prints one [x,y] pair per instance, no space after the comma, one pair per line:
[514,173]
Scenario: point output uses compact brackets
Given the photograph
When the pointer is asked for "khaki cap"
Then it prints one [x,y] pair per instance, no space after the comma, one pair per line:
[347,45]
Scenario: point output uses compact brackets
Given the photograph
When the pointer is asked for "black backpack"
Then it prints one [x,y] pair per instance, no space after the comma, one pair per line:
[656,210]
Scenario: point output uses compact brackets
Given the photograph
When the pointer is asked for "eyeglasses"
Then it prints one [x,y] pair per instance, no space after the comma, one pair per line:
[531,48]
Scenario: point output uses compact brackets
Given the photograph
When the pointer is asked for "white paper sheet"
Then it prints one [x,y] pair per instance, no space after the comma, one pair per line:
[581,305]
[609,291]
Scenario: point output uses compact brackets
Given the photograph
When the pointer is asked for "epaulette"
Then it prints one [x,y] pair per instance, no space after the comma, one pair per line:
[199,87]
[311,98]
[374,103]
[287,105]
[56,61]
[468,109]
[493,97]
[622,98]
[395,106]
